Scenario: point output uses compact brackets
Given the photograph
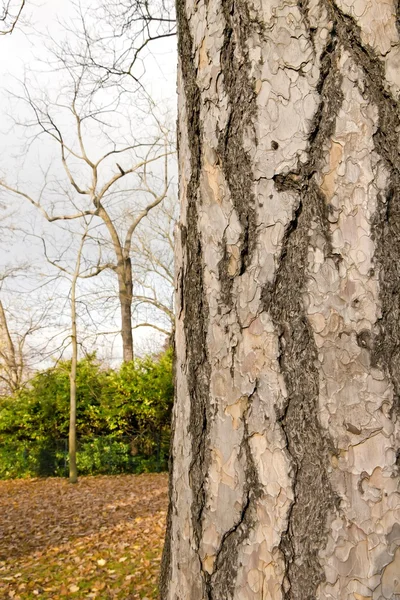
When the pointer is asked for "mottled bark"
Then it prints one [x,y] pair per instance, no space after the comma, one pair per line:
[285,479]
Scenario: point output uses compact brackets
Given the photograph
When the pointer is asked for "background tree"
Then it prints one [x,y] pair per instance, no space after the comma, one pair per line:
[94,181]
[115,40]
[153,265]
[121,108]
[11,352]
[14,366]
[82,269]
[285,476]
[19,322]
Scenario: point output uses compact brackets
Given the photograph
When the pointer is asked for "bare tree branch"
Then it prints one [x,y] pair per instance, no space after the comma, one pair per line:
[10,15]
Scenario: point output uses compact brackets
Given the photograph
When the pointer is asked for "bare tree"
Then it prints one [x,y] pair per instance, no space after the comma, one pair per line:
[16,356]
[153,263]
[119,186]
[113,39]
[83,269]
[12,357]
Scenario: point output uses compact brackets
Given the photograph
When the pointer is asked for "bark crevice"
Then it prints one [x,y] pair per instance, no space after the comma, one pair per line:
[194,303]
[235,161]
[307,442]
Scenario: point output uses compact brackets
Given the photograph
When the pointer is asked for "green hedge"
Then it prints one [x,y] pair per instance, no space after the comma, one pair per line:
[24,459]
[123,419]
[97,456]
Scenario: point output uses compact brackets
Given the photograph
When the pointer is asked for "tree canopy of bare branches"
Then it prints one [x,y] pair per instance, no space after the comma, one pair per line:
[115,165]
[114,38]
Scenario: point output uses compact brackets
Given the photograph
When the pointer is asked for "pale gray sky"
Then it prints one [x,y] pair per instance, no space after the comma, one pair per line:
[19,49]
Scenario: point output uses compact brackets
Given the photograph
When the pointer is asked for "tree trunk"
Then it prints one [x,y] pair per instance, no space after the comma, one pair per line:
[11,366]
[125,289]
[73,471]
[285,476]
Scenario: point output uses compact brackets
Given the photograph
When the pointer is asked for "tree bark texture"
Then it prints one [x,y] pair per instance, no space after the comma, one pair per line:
[285,472]
[125,292]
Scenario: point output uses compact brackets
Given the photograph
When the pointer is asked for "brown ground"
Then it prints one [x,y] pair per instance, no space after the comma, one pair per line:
[101,538]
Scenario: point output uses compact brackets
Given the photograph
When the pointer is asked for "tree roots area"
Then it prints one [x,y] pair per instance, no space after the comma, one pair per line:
[101,538]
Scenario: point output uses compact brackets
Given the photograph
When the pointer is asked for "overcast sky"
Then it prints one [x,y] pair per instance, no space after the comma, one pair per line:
[19,49]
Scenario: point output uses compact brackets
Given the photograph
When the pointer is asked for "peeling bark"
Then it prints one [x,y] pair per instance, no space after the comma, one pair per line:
[285,484]
[386,224]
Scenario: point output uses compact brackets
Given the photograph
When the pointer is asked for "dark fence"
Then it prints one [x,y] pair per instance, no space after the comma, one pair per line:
[105,455]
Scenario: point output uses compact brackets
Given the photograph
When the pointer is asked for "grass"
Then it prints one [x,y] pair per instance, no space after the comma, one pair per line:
[101,538]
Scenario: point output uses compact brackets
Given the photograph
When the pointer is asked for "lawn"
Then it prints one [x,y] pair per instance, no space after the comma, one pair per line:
[101,538]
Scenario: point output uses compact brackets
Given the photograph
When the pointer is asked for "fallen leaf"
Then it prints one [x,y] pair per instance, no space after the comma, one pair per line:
[56,533]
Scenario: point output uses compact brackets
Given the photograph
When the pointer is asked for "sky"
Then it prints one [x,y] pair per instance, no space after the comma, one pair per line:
[18,51]
[24,54]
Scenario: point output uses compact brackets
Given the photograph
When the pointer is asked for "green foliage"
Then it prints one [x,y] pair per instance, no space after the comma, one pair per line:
[110,455]
[139,396]
[103,455]
[122,419]
[27,459]
[41,410]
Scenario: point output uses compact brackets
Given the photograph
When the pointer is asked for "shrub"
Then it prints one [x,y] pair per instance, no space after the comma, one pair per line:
[122,419]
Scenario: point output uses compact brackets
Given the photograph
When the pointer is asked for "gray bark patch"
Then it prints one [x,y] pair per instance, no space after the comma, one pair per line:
[385,348]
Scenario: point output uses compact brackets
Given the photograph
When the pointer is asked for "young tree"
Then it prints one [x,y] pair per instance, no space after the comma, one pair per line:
[285,458]
[81,270]
[73,471]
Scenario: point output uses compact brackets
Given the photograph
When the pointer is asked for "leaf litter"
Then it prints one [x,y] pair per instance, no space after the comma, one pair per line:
[101,538]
